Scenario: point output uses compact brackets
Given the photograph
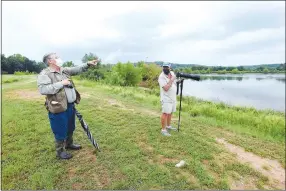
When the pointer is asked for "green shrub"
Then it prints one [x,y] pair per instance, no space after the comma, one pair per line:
[150,74]
[10,80]
[114,78]
[126,74]
[94,74]
[24,73]
[235,71]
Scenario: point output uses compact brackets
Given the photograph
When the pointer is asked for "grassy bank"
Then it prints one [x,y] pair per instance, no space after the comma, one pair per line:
[126,123]
[265,124]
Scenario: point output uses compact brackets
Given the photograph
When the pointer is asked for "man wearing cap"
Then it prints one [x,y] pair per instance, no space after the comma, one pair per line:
[54,82]
[168,88]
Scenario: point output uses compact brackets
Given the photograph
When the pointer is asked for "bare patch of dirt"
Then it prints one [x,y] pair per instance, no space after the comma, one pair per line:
[71,172]
[149,151]
[104,178]
[115,103]
[25,94]
[100,177]
[149,112]
[206,162]
[77,186]
[146,148]
[87,154]
[275,171]
[71,175]
[162,160]
[242,184]
[118,104]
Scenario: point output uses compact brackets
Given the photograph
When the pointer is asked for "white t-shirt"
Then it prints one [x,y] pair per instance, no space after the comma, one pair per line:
[170,95]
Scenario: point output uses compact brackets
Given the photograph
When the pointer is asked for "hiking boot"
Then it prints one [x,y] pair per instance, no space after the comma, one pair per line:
[171,128]
[70,145]
[63,155]
[61,152]
[165,133]
[73,147]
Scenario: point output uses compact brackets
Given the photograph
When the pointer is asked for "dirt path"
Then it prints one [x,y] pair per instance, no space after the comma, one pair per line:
[117,103]
[270,168]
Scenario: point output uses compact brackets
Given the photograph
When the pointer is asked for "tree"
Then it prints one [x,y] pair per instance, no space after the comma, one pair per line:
[4,64]
[68,64]
[265,70]
[281,67]
[235,71]
[140,64]
[259,69]
[16,63]
[188,70]
[89,57]
[240,68]
[222,72]
[230,68]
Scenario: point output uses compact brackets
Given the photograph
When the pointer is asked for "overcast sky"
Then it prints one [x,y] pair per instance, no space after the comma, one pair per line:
[208,33]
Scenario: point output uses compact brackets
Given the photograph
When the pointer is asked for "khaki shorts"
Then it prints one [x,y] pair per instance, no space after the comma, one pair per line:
[168,107]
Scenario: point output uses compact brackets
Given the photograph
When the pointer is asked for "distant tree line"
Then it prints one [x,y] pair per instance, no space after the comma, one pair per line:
[129,74]
[18,64]
[270,68]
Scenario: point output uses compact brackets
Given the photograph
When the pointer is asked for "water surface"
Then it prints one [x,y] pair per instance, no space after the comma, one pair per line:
[252,90]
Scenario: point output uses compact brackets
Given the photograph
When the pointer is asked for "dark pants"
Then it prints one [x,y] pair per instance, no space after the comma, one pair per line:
[63,124]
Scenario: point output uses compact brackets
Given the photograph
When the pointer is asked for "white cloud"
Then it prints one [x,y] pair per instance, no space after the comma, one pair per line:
[112,57]
[182,32]
[240,38]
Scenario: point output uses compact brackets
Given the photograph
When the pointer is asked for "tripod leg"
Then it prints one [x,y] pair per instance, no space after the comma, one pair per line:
[180,105]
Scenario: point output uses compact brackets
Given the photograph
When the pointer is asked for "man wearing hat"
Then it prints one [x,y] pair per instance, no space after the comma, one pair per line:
[54,82]
[168,88]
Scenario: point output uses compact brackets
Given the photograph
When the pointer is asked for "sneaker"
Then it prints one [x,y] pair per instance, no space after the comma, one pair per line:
[165,133]
[171,128]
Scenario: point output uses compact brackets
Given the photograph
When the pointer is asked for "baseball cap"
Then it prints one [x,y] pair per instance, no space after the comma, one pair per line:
[166,64]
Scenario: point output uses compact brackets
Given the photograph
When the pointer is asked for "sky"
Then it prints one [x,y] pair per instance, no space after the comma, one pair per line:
[212,33]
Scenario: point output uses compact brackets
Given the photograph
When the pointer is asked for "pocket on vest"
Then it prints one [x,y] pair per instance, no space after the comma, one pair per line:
[57,103]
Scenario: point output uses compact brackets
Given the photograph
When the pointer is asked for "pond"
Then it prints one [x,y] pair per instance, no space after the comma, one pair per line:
[260,91]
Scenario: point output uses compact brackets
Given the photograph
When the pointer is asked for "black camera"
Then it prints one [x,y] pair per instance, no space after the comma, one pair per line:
[69,86]
[188,76]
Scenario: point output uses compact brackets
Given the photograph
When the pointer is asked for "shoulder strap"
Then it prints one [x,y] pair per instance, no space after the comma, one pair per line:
[78,98]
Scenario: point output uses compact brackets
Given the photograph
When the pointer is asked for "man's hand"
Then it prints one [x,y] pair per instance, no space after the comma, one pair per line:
[66,82]
[169,84]
[92,63]
[173,78]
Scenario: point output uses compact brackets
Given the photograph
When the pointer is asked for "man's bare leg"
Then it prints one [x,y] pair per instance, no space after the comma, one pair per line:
[163,120]
[169,116]
[169,127]
[163,123]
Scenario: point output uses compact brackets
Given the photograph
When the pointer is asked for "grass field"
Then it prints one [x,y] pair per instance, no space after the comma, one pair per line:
[126,124]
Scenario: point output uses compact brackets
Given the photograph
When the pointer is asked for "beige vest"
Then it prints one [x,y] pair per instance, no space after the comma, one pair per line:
[58,102]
